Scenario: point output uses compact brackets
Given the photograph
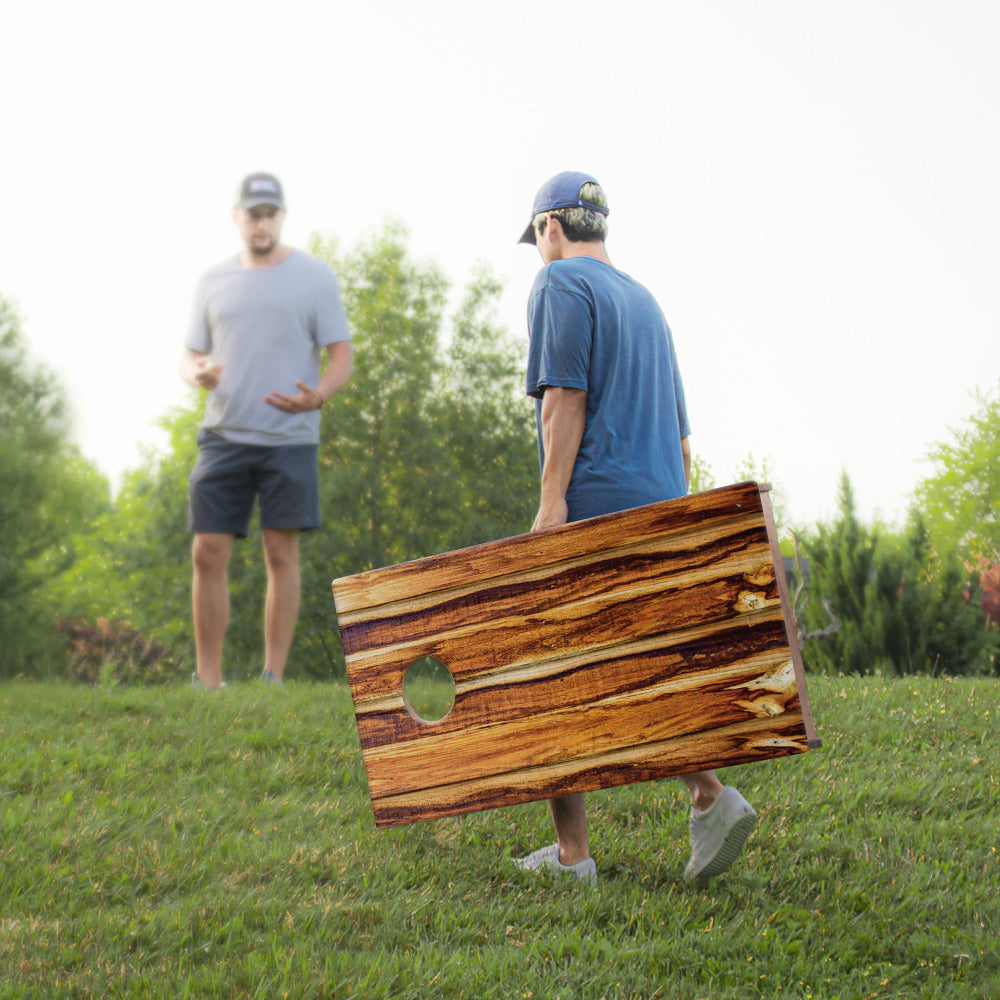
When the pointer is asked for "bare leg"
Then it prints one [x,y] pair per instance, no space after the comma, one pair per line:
[284,588]
[210,602]
[704,787]
[569,816]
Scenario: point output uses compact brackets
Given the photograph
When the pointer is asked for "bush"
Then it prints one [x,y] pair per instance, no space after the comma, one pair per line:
[902,607]
[115,652]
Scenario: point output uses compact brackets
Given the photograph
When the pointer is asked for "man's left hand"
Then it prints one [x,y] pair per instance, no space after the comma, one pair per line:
[306,399]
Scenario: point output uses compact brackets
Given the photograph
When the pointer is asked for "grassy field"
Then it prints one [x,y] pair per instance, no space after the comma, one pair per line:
[171,843]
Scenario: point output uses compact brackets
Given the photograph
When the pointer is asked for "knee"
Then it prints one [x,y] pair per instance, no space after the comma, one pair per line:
[281,551]
[210,553]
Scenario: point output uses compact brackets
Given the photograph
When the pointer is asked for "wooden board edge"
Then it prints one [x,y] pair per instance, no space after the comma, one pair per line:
[788,611]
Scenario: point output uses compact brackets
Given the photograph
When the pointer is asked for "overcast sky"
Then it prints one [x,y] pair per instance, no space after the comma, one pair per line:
[810,190]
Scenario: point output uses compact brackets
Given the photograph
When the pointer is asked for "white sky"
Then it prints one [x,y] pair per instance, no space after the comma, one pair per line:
[811,190]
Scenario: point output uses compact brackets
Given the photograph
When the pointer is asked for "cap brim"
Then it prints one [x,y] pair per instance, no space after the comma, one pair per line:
[528,236]
[249,203]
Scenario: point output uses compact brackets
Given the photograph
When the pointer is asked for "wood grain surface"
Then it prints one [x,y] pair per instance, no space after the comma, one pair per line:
[623,648]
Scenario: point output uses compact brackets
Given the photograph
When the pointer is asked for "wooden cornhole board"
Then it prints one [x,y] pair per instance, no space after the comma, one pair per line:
[624,648]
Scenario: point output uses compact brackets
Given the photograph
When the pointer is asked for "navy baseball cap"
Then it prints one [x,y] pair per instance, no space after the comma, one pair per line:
[261,189]
[561,191]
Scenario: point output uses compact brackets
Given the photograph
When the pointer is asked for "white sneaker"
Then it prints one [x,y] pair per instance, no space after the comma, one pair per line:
[548,858]
[718,835]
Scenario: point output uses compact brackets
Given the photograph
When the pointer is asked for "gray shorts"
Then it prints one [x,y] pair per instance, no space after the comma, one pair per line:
[228,477]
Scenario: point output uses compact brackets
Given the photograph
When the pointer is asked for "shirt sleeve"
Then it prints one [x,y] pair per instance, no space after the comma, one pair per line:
[199,332]
[331,325]
[560,325]
[682,417]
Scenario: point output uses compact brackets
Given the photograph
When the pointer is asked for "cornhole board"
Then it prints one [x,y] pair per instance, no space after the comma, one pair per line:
[623,648]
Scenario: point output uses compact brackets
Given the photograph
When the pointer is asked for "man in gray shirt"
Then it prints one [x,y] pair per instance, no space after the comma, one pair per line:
[259,324]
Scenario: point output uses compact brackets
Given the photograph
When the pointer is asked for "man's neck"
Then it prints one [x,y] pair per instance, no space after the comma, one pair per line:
[257,261]
[592,248]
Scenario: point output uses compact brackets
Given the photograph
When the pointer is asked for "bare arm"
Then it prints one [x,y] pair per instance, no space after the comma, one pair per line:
[340,365]
[198,371]
[564,416]
[686,454]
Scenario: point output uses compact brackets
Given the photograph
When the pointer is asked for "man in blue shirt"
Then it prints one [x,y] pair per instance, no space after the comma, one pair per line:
[612,434]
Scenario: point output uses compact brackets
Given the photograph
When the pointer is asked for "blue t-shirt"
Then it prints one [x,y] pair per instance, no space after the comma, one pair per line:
[594,328]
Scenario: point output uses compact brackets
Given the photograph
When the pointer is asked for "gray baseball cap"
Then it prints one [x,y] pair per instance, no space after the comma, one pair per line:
[261,189]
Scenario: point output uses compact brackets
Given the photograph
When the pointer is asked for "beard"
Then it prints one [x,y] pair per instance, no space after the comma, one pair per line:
[262,249]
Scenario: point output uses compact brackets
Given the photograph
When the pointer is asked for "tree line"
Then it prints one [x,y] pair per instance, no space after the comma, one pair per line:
[429,448]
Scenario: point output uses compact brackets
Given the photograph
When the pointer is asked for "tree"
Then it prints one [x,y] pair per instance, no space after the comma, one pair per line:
[490,423]
[961,500]
[134,567]
[703,478]
[750,471]
[380,462]
[50,493]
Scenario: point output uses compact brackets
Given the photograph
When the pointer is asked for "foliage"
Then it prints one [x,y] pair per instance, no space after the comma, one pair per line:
[961,500]
[492,462]
[164,843]
[379,458]
[428,447]
[50,495]
[135,567]
[899,609]
[751,471]
[703,478]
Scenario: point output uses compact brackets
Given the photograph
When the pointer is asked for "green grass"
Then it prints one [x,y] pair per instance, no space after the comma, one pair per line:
[171,843]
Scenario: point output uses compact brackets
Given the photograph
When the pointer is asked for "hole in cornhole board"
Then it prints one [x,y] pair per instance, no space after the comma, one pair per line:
[428,689]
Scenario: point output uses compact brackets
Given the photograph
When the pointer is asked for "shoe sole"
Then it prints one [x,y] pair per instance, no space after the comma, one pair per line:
[732,848]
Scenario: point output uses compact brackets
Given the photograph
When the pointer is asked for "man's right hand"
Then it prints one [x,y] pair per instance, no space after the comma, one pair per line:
[199,370]
[551,515]
[207,374]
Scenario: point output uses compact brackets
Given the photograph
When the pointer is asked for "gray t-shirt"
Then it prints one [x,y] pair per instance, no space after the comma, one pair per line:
[267,328]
